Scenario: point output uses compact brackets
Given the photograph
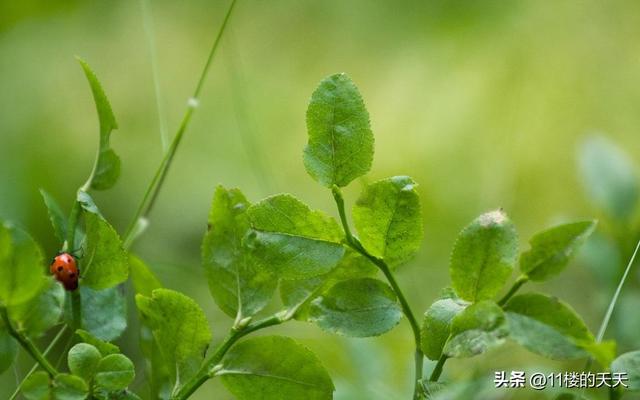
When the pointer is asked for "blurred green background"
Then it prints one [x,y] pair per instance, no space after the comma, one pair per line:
[484,103]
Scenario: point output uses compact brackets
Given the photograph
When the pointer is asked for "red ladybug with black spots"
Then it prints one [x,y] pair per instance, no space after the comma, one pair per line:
[65,268]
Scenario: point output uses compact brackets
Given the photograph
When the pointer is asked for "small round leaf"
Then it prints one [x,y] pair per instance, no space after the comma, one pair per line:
[36,387]
[69,387]
[83,360]
[114,372]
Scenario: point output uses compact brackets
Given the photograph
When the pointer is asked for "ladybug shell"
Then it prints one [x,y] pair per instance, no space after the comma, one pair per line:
[65,269]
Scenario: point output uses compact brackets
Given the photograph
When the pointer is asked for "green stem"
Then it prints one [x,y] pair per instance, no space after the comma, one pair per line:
[607,317]
[616,295]
[205,373]
[35,367]
[151,193]
[147,20]
[355,244]
[337,195]
[76,310]
[437,370]
[516,286]
[28,345]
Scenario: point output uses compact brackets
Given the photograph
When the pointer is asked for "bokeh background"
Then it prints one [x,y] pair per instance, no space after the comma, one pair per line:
[486,104]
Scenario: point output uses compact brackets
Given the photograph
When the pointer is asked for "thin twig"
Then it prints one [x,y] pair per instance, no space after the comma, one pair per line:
[28,345]
[355,244]
[614,299]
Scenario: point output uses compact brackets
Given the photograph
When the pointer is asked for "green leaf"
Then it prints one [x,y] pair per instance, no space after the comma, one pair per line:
[87,203]
[547,326]
[37,315]
[21,267]
[107,168]
[294,293]
[609,177]
[292,239]
[8,349]
[436,327]
[144,280]
[56,215]
[629,363]
[340,146]
[69,387]
[158,375]
[388,218]
[274,368]
[484,257]
[353,265]
[83,360]
[104,312]
[179,327]
[357,307]
[476,329]
[106,260]
[238,284]
[114,372]
[36,387]
[550,311]
[542,339]
[105,348]
[552,249]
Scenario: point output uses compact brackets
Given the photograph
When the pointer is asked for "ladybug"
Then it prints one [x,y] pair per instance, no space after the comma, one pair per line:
[65,268]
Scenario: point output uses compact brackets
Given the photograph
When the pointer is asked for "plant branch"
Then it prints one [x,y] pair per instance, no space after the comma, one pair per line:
[205,373]
[151,193]
[35,367]
[516,286]
[28,345]
[234,335]
[355,244]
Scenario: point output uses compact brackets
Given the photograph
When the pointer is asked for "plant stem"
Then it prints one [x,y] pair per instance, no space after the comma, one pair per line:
[74,217]
[337,195]
[28,345]
[234,335]
[76,310]
[609,313]
[355,244]
[437,370]
[147,19]
[614,299]
[35,367]
[516,285]
[76,307]
[156,183]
